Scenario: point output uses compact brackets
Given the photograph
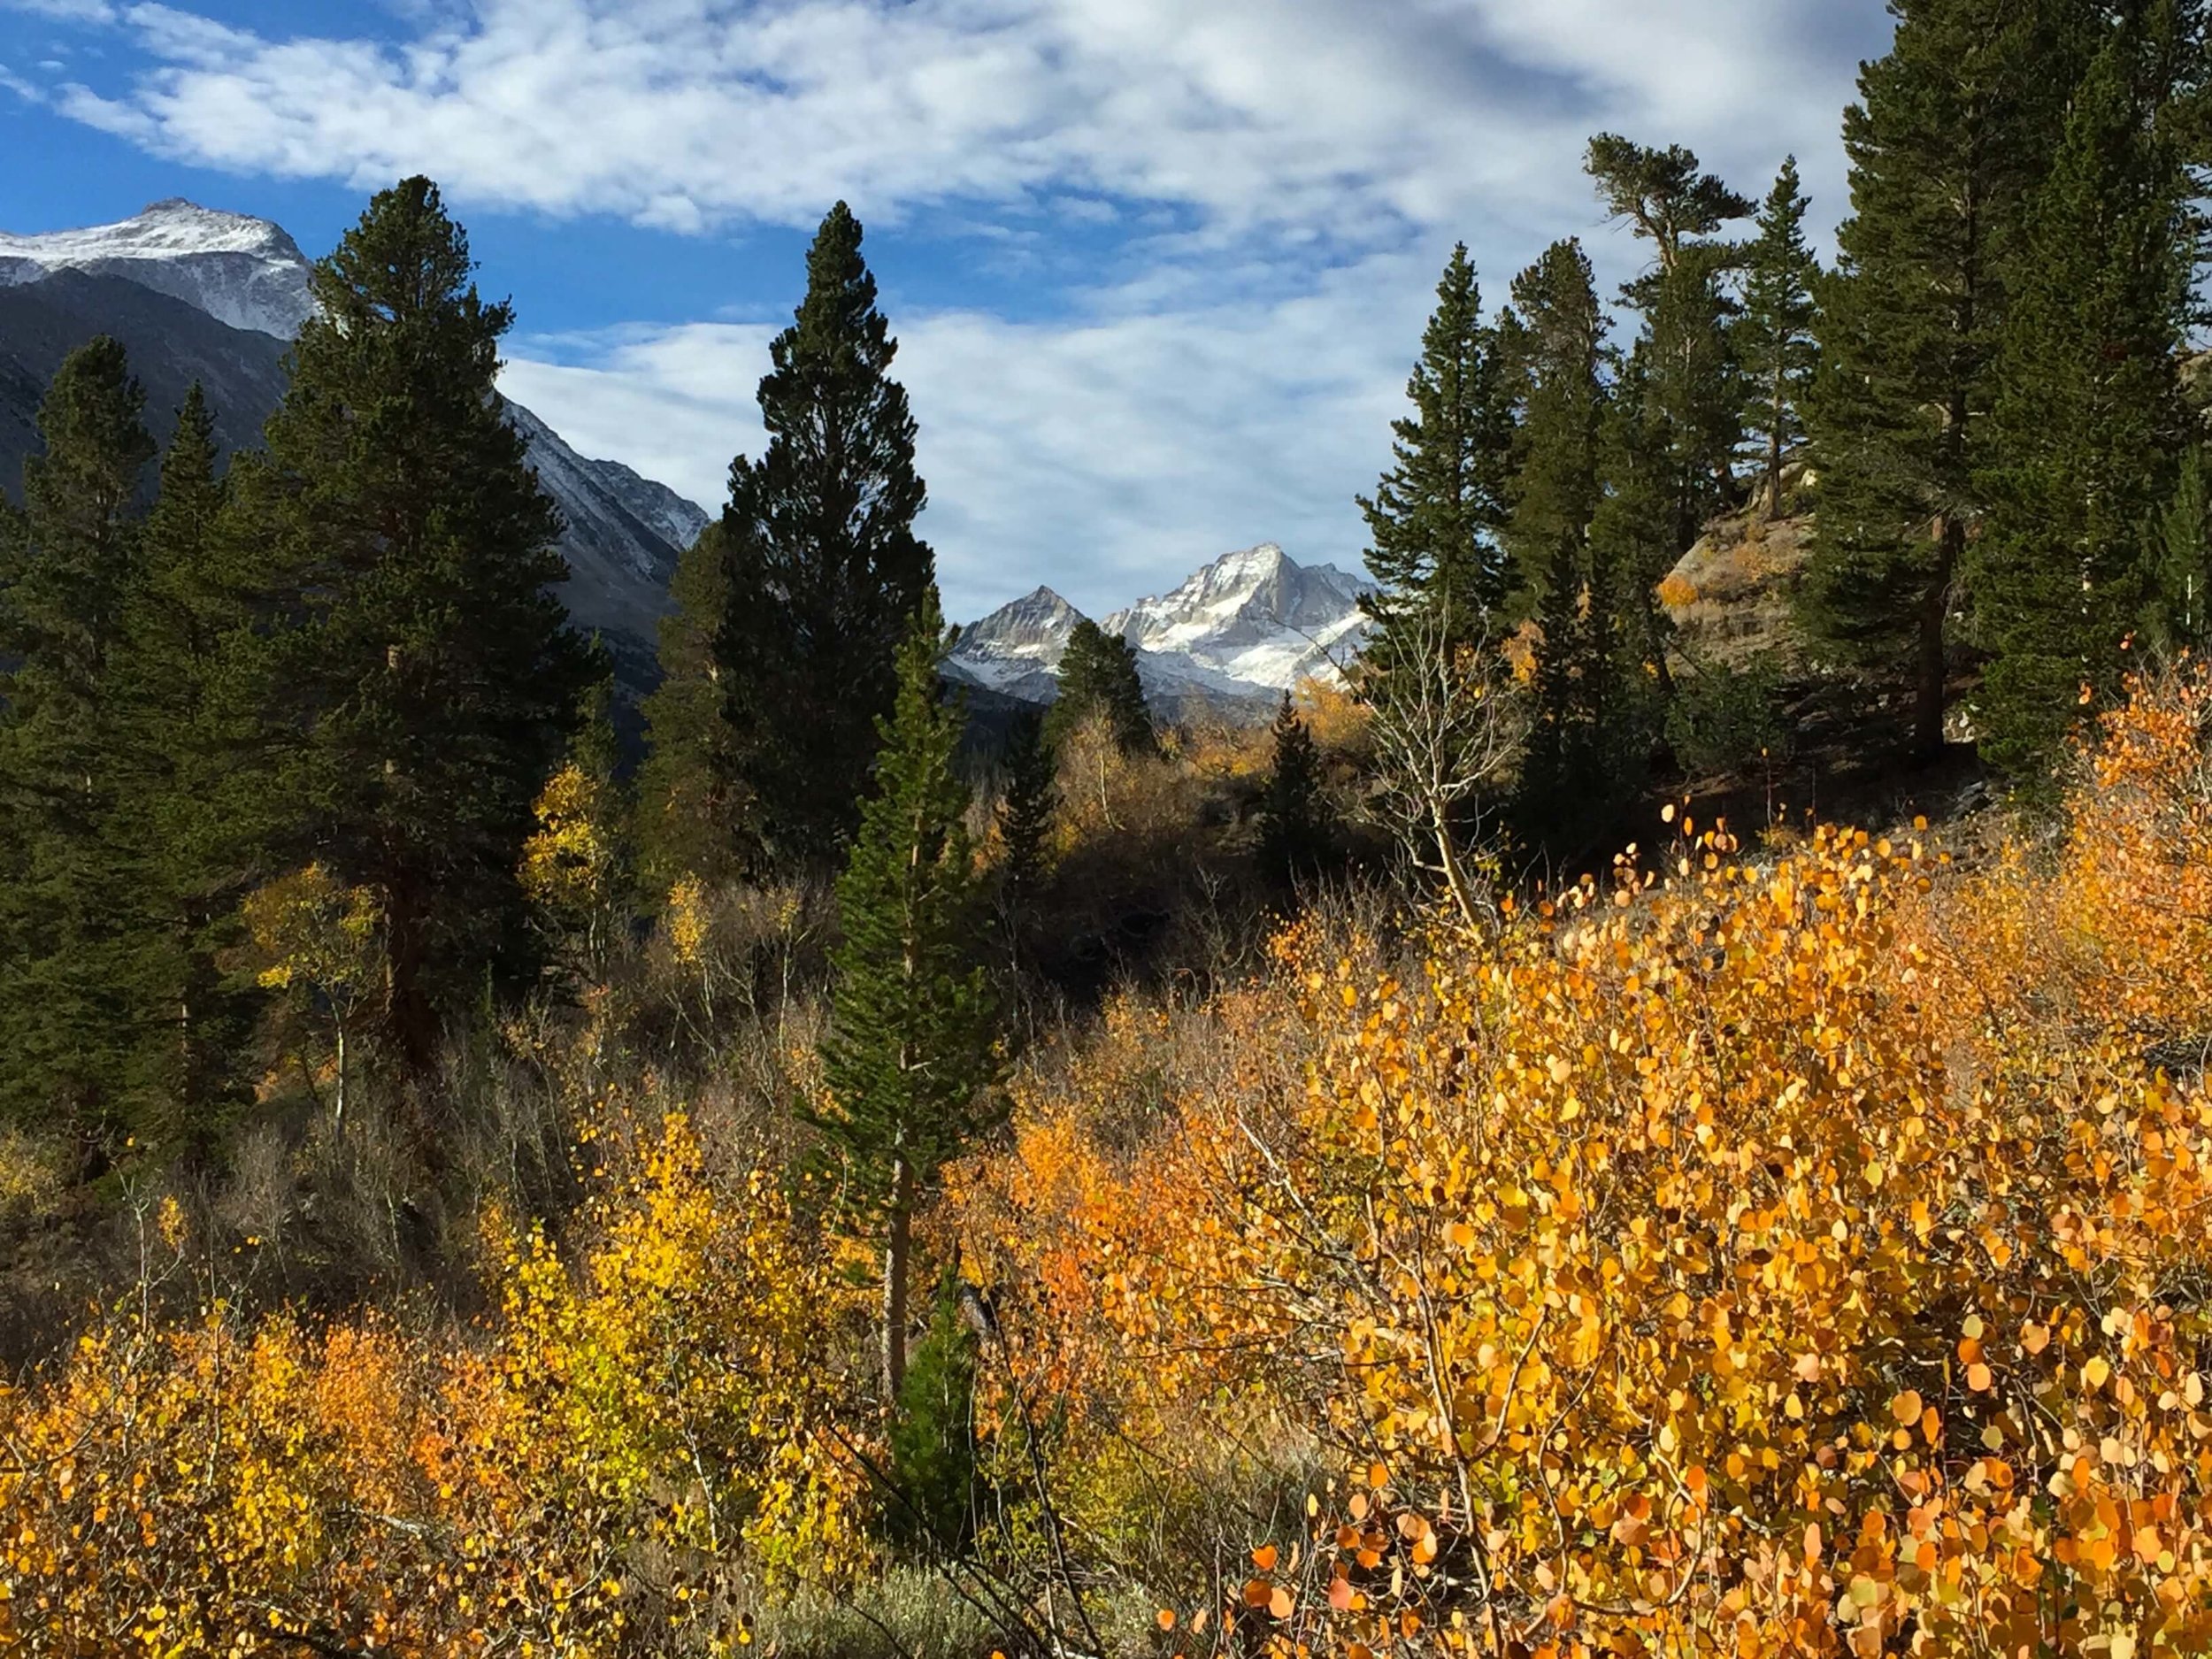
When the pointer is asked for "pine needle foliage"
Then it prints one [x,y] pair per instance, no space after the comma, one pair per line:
[1776,333]
[425,683]
[1098,680]
[690,819]
[1435,518]
[824,569]
[2089,422]
[1951,134]
[67,908]
[910,1054]
[1292,810]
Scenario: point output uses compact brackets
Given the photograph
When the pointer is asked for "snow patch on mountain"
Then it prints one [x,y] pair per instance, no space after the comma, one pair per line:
[1239,633]
[1016,650]
[622,531]
[239,269]
[1255,619]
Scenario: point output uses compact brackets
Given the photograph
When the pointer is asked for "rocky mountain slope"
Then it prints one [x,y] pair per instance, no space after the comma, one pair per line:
[172,343]
[1233,638]
[195,293]
[239,271]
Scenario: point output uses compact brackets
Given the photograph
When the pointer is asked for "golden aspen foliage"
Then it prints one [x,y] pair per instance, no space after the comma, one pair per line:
[1739,1256]
[639,1428]
[568,862]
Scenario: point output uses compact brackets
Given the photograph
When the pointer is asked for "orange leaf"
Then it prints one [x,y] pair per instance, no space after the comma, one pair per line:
[1167,1619]
[1265,1557]
[1907,1407]
[1340,1594]
[1279,1603]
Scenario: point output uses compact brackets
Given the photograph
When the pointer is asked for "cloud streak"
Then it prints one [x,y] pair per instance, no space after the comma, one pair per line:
[1229,216]
[1108,455]
[1334,116]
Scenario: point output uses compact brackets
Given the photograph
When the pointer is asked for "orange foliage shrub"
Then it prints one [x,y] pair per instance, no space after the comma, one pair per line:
[1776,1258]
[636,1428]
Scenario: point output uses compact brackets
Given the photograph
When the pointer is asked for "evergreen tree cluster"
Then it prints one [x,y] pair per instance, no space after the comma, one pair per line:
[1981,408]
[346,654]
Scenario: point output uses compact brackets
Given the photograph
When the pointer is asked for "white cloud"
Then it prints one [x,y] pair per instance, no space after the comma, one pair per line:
[1273,184]
[92,11]
[1339,116]
[1108,455]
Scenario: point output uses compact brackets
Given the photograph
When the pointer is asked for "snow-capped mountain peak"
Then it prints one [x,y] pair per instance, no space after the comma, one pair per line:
[1016,648]
[1255,617]
[243,270]
[623,532]
[1247,627]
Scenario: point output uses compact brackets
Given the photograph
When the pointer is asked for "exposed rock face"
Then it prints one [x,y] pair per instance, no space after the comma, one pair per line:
[1253,622]
[241,271]
[1730,596]
[171,343]
[1016,650]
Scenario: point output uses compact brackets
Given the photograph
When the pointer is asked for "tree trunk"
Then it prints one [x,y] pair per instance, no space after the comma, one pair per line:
[1929,678]
[1447,855]
[898,1245]
[1774,449]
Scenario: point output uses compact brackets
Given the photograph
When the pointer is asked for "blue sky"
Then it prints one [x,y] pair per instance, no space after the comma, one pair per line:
[1159,266]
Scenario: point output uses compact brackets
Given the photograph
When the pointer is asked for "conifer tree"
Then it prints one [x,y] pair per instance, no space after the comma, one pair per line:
[67,901]
[1777,346]
[910,1057]
[1555,336]
[1635,540]
[1294,829]
[688,819]
[1435,518]
[1689,407]
[181,826]
[824,567]
[2089,421]
[1664,193]
[1025,809]
[2179,616]
[1098,679]
[1557,331]
[932,1446]
[1951,133]
[425,683]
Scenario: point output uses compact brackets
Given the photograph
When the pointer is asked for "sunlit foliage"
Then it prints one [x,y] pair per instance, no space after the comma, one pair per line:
[1744,1257]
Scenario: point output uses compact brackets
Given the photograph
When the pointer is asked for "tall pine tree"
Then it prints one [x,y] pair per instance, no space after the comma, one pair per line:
[424,684]
[1674,459]
[68,902]
[1556,333]
[1951,134]
[1778,348]
[2089,422]
[1025,809]
[180,827]
[1554,338]
[824,568]
[688,821]
[910,1057]
[1435,516]
[1293,812]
